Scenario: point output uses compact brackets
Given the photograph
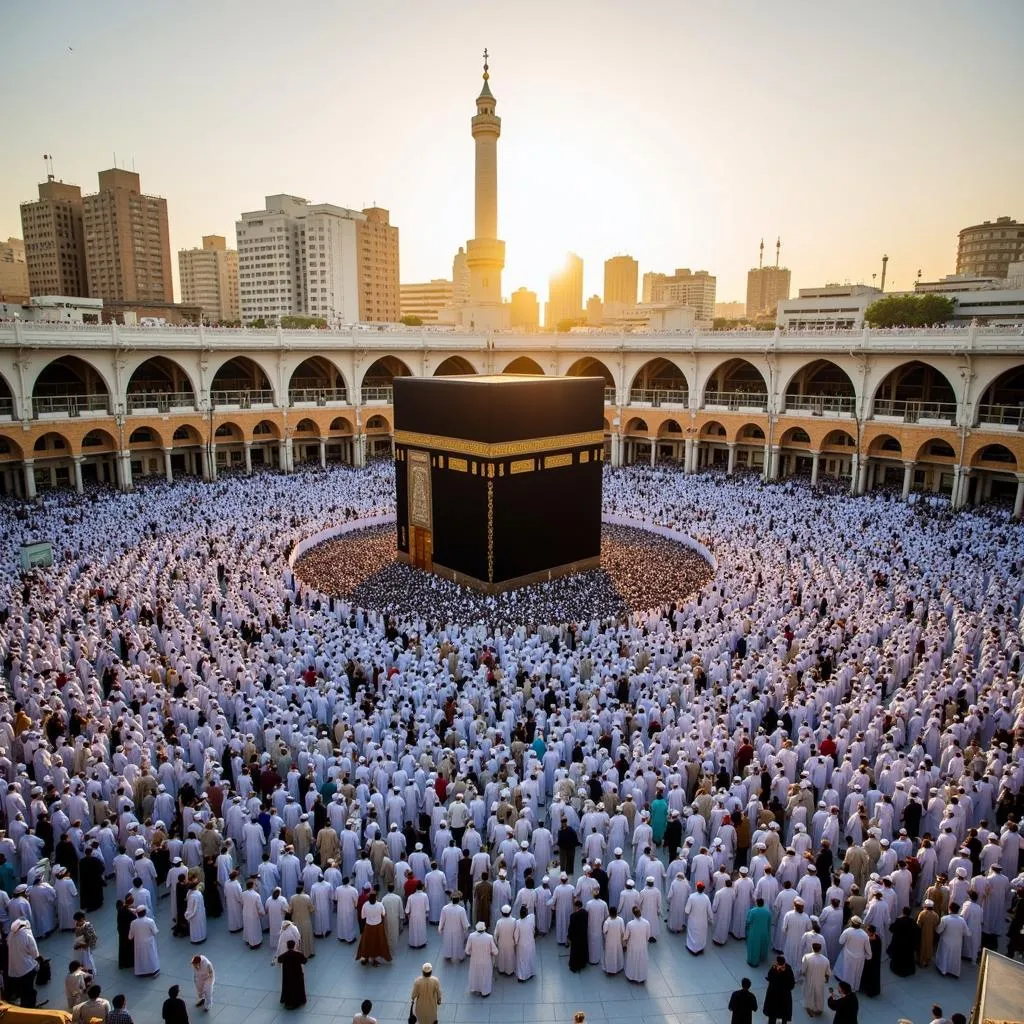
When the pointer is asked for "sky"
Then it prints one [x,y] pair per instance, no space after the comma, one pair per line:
[678,132]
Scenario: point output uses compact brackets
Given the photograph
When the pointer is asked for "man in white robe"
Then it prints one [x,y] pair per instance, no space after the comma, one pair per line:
[953,934]
[321,893]
[346,900]
[678,894]
[142,933]
[204,976]
[699,920]
[482,953]
[722,910]
[526,945]
[854,950]
[794,925]
[252,916]
[195,914]
[67,899]
[276,908]
[650,908]
[638,934]
[815,971]
[505,940]
[394,915]
[614,935]
[233,904]
[561,903]
[597,914]
[454,929]
[743,900]
[417,907]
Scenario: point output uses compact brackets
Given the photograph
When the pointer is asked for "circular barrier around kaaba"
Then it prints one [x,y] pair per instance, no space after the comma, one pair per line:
[643,566]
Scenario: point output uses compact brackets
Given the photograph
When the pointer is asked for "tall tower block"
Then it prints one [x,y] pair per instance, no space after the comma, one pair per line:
[485,254]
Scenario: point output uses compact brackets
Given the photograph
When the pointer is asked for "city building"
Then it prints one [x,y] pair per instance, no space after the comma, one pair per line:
[958,283]
[298,259]
[68,309]
[209,279]
[55,240]
[152,314]
[987,249]
[620,280]
[377,238]
[485,253]
[127,242]
[426,300]
[525,310]
[829,308]
[683,288]
[594,313]
[766,288]
[650,316]
[460,278]
[565,293]
[13,271]
[730,310]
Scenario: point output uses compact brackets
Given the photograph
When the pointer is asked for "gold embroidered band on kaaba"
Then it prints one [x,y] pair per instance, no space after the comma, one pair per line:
[497,449]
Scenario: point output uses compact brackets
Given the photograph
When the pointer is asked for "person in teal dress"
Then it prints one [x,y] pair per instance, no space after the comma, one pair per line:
[759,933]
[659,816]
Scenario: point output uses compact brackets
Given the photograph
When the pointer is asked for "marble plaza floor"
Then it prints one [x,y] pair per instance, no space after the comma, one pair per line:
[680,989]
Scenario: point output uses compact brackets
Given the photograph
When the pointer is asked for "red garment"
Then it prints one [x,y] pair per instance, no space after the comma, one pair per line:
[828,747]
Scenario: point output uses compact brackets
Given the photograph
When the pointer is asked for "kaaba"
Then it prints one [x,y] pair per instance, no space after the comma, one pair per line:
[498,478]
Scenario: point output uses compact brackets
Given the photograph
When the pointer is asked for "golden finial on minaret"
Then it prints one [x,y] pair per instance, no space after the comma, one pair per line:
[486,70]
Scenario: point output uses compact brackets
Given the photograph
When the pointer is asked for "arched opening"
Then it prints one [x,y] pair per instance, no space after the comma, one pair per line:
[52,464]
[933,469]
[455,366]
[317,381]
[229,448]
[524,364]
[6,400]
[69,386]
[187,451]
[736,384]
[821,388]
[671,444]
[795,457]
[750,442]
[936,450]
[915,392]
[837,450]
[1002,403]
[99,450]
[144,437]
[637,443]
[378,437]
[306,443]
[240,383]
[588,366]
[713,429]
[340,441]
[659,382]
[159,385]
[885,463]
[377,379]
[993,476]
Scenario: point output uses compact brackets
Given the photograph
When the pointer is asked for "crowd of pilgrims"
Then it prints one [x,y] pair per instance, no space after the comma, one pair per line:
[817,753]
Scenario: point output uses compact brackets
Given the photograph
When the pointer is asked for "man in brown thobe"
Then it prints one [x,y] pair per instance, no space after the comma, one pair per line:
[927,921]
[482,901]
[939,895]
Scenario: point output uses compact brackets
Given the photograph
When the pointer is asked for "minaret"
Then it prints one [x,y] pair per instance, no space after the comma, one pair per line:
[485,254]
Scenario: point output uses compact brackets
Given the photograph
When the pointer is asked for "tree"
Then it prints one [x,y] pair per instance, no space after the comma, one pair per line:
[258,322]
[411,321]
[909,310]
[302,323]
[566,325]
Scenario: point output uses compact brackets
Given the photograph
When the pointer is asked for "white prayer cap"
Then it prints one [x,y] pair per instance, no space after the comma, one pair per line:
[744,871]
[617,851]
[506,909]
[480,926]
[629,883]
[650,879]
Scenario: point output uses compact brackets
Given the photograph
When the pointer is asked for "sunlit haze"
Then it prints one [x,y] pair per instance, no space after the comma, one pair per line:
[680,133]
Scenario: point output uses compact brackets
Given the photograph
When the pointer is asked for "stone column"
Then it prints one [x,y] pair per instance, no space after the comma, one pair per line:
[766,469]
[908,478]
[1018,501]
[732,458]
[126,470]
[323,453]
[168,468]
[76,462]
[815,465]
[773,470]
[862,475]
[210,463]
[282,455]
[29,466]
[854,466]
[53,476]
[247,448]
[359,449]
[954,497]
[654,451]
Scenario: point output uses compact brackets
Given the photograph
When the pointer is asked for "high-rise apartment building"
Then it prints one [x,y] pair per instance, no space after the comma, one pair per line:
[620,280]
[209,279]
[988,249]
[377,238]
[127,242]
[766,288]
[13,271]
[565,293]
[55,241]
[525,310]
[426,299]
[695,289]
[460,278]
[297,259]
